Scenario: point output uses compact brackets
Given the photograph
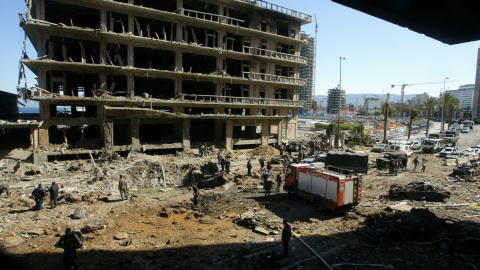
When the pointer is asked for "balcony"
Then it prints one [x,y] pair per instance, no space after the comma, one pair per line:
[280,9]
[244,100]
[210,17]
[273,54]
[273,78]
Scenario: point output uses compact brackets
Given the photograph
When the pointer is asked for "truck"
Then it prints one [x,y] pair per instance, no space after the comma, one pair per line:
[451,135]
[433,145]
[382,162]
[327,190]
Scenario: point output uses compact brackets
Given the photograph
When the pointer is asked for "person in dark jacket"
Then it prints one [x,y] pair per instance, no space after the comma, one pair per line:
[227,165]
[249,168]
[53,191]
[69,242]
[222,162]
[38,194]
[286,235]
[262,164]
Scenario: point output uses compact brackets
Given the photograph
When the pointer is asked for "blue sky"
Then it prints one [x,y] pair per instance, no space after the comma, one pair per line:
[378,54]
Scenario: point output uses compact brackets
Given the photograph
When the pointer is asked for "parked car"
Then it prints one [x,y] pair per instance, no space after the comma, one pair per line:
[380,148]
[446,151]
[454,155]
[418,191]
[415,145]
[465,129]
[471,151]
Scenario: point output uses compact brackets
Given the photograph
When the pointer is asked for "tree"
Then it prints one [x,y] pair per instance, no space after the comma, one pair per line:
[450,103]
[413,113]
[387,111]
[429,104]
[375,110]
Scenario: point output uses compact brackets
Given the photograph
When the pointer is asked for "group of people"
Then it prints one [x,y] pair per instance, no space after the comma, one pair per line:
[224,162]
[39,194]
[395,165]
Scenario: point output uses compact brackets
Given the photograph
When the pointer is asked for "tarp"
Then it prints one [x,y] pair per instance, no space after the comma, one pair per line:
[357,162]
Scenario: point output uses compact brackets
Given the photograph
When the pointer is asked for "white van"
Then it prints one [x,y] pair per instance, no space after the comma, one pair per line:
[401,148]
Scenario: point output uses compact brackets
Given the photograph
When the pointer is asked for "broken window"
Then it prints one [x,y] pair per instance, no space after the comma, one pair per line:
[55,12]
[158,133]
[155,29]
[155,87]
[73,50]
[203,7]
[203,130]
[283,28]
[154,59]
[122,132]
[235,68]
[117,85]
[117,22]
[117,54]
[240,14]
[199,88]
[196,63]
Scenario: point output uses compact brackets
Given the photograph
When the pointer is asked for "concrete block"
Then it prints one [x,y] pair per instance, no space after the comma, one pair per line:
[449,162]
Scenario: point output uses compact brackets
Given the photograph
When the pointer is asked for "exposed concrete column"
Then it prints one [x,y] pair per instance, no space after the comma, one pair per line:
[103,83]
[43,139]
[229,134]
[280,132]
[179,4]
[135,131]
[218,130]
[130,55]
[186,134]
[130,86]
[178,86]
[108,138]
[265,132]
[34,138]
[103,53]
[41,8]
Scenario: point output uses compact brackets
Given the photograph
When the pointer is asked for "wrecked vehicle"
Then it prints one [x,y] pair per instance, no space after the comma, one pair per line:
[382,162]
[418,191]
[467,169]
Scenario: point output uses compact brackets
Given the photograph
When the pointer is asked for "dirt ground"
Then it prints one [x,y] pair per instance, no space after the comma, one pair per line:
[160,228]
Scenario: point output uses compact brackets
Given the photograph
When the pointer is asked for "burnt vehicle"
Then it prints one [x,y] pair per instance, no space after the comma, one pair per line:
[467,169]
[382,162]
[424,191]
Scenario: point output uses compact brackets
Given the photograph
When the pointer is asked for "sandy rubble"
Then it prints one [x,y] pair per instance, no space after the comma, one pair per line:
[160,228]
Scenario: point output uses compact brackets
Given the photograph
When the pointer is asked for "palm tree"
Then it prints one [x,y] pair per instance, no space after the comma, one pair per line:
[413,112]
[375,110]
[450,103]
[429,104]
[387,111]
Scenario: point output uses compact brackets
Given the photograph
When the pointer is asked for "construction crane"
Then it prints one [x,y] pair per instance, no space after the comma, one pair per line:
[410,84]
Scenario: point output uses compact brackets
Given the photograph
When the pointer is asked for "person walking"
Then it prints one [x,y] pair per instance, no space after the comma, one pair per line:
[38,194]
[415,163]
[391,166]
[267,184]
[269,166]
[249,168]
[123,187]
[53,191]
[279,181]
[4,188]
[69,243]
[397,166]
[404,163]
[286,235]
[219,156]
[227,165]
[424,164]
[222,163]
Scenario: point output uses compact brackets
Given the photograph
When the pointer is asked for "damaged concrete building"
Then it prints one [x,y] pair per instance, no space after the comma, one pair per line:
[140,75]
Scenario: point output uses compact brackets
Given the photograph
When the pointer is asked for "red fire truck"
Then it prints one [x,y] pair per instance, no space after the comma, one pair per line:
[328,190]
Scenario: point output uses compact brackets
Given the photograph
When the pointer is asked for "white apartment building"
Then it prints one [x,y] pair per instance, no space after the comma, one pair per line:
[464,94]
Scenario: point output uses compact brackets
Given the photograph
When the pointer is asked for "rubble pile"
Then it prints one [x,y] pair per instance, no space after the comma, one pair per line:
[264,151]
[420,226]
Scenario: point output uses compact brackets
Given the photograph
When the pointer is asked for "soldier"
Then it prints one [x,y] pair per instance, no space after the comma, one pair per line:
[249,168]
[123,187]
[3,188]
[267,184]
[415,163]
[222,162]
[286,235]
[404,163]
[38,194]
[53,191]
[262,163]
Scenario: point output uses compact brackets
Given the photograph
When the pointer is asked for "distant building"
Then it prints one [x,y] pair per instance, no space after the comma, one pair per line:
[464,94]
[305,93]
[351,107]
[337,99]
[8,104]
[420,99]
[476,96]
[372,105]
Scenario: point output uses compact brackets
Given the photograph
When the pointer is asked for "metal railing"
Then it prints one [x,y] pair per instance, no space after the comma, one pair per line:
[243,100]
[280,9]
[211,17]
[273,54]
[273,78]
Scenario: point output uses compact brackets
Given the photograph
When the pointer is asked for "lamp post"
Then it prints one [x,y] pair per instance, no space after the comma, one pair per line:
[339,103]
[443,103]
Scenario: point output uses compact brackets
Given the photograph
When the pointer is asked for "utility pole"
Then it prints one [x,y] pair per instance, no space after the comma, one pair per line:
[339,103]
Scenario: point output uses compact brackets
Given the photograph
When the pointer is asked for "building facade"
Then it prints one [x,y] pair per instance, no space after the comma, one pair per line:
[337,100]
[8,104]
[307,73]
[372,105]
[464,94]
[476,96]
[147,75]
